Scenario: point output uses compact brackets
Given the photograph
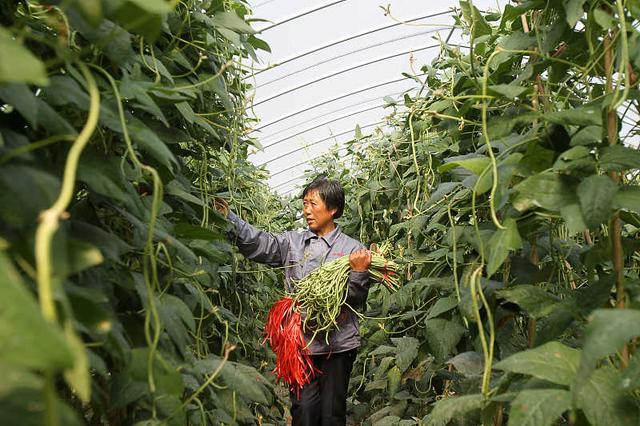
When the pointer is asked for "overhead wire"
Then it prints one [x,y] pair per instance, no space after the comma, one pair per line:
[308,129]
[300,15]
[337,98]
[354,67]
[317,117]
[318,142]
[325,61]
[349,38]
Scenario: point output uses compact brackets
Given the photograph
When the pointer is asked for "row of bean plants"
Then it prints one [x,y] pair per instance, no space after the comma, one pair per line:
[508,186]
[120,300]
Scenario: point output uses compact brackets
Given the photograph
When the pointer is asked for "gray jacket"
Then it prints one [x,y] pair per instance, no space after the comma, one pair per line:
[300,252]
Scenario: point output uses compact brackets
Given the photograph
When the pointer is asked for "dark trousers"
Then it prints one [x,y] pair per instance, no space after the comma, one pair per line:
[323,402]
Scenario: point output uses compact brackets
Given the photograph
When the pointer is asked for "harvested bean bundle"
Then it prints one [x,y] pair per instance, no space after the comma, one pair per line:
[324,291]
[320,295]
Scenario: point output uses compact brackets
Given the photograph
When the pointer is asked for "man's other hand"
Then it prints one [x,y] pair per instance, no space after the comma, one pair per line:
[360,260]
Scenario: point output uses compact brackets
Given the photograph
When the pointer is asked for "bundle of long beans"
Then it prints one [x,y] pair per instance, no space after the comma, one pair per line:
[321,296]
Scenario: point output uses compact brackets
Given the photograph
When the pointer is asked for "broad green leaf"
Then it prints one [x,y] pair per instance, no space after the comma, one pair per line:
[603,18]
[475,165]
[628,198]
[468,363]
[574,11]
[475,20]
[232,21]
[243,379]
[534,300]
[508,90]
[630,379]
[539,407]
[553,362]
[186,230]
[393,380]
[501,243]
[26,338]
[443,336]
[406,351]
[141,16]
[619,158]
[596,195]
[573,218]
[547,190]
[576,160]
[581,116]
[603,403]
[516,40]
[37,112]
[590,135]
[442,305]
[111,38]
[607,332]
[23,66]
[451,408]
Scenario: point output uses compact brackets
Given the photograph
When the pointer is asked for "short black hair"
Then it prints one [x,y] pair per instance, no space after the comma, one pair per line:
[330,191]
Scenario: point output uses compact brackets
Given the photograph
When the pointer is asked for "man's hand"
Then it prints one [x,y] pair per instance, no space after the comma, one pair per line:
[221,206]
[360,260]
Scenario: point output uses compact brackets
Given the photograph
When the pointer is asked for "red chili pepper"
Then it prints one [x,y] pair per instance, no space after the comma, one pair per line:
[286,338]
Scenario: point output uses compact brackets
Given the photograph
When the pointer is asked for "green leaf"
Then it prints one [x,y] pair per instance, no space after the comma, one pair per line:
[553,362]
[448,409]
[442,305]
[232,21]
[574,10]
[406,351]
[596,195]
[581,116]
[501,243]
[603,18]
[607,332]
[186,230]
[443,336]
[508,90]
[573,218]
[618,158]
[475,20]
[627,198]
[590,135]
[539,407]
[23,67]
[141,16]
[547,190]
[468,363]
[243,379]
[534,300]
[630,379]
[603,403]
[26,339]
[394,377]
[475,164]
[516,40]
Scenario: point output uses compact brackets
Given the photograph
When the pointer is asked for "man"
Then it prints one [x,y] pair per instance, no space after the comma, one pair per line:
[324,400]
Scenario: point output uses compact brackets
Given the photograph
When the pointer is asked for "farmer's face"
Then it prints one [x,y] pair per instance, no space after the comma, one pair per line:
[316,213]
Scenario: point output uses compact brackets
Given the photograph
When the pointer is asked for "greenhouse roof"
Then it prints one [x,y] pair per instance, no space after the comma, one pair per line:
[331,66]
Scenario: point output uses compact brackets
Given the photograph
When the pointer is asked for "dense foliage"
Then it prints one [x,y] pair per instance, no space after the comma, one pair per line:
[120,120]
[507,188]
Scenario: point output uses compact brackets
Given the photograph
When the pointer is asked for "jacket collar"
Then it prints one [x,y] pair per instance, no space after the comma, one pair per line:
[329,238]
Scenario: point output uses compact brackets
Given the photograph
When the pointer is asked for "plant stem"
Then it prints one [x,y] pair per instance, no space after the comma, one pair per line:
[615,227]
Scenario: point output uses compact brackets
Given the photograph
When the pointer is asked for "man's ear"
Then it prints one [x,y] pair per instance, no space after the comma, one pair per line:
[333,212]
